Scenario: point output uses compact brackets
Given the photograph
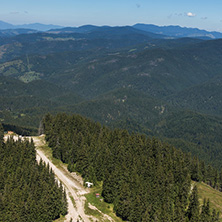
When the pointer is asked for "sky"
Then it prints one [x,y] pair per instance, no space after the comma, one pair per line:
[202,14]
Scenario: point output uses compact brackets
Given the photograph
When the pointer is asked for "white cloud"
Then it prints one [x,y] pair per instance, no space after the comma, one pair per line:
[190,14]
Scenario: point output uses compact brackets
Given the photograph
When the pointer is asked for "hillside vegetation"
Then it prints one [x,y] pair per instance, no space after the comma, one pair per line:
[145,179]
[214,196]
[155,87]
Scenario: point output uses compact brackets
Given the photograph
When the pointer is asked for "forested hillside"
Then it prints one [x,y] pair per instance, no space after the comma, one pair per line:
[121,77]
[145,179]
[193,132]
[28,190]
[158,72]
[23,104]
[205,98]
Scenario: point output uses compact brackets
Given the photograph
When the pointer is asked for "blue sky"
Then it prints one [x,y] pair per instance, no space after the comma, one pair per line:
[203,14]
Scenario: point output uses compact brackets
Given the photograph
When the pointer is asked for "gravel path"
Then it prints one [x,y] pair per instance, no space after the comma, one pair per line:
[72,189]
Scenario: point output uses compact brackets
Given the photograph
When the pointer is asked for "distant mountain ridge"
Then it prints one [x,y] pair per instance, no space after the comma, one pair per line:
[166,31]
[5,25]
[81,29]
[35,26]
[14,32]
[177,31]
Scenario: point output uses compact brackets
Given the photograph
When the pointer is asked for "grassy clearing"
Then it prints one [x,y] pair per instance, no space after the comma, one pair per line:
[100,204]
[30,76]
[213,195]
[92,212]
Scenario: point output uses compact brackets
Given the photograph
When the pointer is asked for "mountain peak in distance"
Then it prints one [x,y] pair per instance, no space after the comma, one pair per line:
[35,26]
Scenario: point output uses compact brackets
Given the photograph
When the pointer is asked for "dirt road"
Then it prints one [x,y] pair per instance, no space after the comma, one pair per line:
[74,190]
[76,211]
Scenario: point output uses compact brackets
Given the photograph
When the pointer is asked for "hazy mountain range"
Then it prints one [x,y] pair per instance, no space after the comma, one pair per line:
[35,26]
[167,31]
[178,32]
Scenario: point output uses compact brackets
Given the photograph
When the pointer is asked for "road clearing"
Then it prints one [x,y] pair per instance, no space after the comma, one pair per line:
[74,189]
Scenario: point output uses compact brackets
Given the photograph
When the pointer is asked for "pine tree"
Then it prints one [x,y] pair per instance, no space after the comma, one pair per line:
[146,217]
[122,204]
[205,215]
[195,170]
[193,208]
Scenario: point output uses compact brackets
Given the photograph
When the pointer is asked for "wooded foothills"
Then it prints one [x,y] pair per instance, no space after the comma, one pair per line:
[137,84]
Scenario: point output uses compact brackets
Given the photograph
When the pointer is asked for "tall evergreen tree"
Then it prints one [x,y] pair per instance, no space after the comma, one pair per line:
[205,215]
[194,206]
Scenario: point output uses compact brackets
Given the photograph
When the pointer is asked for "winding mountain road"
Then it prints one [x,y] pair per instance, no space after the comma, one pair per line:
[73,189]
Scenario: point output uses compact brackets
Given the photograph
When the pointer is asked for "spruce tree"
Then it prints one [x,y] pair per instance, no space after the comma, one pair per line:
[194,206]
[205,215]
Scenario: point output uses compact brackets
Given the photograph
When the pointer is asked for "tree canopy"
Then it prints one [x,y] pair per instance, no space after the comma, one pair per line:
[145,179]
[28,190]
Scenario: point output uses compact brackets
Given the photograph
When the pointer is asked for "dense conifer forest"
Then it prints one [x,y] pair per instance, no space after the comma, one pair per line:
[28,190]
[145,179]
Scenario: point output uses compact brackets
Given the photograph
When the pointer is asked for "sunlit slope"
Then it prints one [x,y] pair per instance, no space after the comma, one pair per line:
[213,195]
